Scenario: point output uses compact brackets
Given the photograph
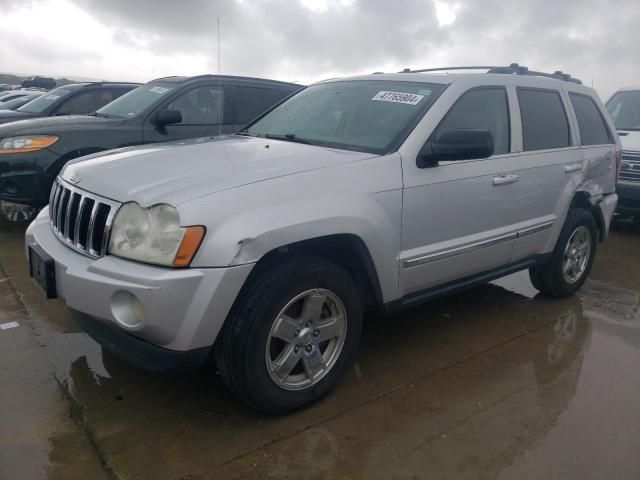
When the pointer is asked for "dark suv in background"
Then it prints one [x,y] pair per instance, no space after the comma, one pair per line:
[47,83]
[173,108]
[77,98]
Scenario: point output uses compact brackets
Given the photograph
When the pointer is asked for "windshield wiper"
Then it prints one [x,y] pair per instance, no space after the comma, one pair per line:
[96,114]
[287,137]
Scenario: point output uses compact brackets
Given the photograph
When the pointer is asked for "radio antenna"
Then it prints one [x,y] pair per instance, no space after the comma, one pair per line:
[220,95]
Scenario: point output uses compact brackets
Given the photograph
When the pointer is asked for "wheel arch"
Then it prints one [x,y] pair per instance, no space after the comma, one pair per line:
[586,201]
[346,249]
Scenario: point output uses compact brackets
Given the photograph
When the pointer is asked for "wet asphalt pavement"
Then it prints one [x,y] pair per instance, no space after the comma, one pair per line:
[496,382]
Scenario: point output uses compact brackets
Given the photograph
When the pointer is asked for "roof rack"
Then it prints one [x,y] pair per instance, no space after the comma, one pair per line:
[513,69]
[100,82]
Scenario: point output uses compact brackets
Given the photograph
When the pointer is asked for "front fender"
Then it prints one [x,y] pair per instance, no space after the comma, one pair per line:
[362,199]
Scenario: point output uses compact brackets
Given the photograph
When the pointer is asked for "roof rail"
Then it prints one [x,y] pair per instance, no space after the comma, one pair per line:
[100,82]
[513,69]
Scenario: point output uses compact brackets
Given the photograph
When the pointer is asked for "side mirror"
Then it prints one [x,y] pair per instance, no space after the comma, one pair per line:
[166,117]
[452,145]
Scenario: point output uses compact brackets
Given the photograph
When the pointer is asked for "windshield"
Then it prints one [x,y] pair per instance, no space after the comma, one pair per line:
[16,102]
[132,103]
[43,102]
[364,115]
[624,108]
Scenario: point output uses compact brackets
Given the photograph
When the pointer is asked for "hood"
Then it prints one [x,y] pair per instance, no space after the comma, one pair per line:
[179,171]
[53,125]
[13,115]
[630,140]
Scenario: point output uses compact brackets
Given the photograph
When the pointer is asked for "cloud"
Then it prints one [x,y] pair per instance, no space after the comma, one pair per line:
[307,40]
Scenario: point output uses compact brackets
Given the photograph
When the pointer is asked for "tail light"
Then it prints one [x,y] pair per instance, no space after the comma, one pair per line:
[618,163]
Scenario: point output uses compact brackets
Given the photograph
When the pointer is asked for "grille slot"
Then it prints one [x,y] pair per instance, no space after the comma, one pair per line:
[80,219]
[630,171]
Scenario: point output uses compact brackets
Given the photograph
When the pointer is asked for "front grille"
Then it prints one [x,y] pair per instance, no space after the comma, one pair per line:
[80,219]
[630,171]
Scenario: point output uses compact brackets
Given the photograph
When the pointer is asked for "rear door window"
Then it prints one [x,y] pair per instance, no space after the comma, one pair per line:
[593,129]
[544,120]
[481,108]
[250,102]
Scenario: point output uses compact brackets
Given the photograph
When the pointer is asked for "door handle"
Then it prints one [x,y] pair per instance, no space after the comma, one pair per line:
[572,167]
[505,179]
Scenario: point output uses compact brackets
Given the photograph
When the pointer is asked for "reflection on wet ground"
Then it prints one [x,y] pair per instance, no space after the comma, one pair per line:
[495,382]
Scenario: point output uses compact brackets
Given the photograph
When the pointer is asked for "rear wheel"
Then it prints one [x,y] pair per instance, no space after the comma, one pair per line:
[572,257]
[291,335]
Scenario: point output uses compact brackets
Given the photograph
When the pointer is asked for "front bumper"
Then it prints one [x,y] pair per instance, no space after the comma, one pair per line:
[25,177]
[629,193]
[179,310]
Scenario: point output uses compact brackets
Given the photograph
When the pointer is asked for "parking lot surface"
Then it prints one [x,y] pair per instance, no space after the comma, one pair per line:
[495,382]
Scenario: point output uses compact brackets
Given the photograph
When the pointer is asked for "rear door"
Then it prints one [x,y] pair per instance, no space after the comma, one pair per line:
[597,143]
[456,219]
[551,168]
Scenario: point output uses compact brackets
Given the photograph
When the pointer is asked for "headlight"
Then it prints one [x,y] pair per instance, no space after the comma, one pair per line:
[29,143]
[153,235]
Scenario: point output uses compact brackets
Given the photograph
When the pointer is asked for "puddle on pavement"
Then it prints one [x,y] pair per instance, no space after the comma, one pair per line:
[493,382]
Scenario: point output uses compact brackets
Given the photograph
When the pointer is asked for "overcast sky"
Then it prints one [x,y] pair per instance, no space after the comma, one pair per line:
[308,40]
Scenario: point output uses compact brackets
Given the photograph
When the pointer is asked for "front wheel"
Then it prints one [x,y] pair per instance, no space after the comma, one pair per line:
[291,335]
[572,257]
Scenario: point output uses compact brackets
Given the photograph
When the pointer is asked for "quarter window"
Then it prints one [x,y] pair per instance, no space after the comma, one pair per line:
[200,106]
[593,130]
[482,108]
[544,120]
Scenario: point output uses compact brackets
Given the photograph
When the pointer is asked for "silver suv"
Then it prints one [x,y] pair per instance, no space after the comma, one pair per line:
[624,107]
[262,250]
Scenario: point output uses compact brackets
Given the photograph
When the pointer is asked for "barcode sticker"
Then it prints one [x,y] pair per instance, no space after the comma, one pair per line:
[398,97]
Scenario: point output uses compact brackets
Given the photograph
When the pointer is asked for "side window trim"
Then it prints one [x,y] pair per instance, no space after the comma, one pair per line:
[509,151]
[570,125]
[610,135]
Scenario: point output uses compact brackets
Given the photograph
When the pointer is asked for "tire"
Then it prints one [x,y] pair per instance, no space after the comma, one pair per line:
[551,277]
[249,348]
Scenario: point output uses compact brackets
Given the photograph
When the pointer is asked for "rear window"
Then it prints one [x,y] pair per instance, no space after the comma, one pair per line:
[544,120]
[593,129]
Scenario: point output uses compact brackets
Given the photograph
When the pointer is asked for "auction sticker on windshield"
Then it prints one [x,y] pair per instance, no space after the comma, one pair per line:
[159,90]
[398,97]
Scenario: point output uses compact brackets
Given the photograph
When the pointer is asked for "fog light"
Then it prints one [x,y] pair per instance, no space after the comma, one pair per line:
[127,309]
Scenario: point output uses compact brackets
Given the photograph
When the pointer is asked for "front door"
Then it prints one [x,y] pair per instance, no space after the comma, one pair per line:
[457,220]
